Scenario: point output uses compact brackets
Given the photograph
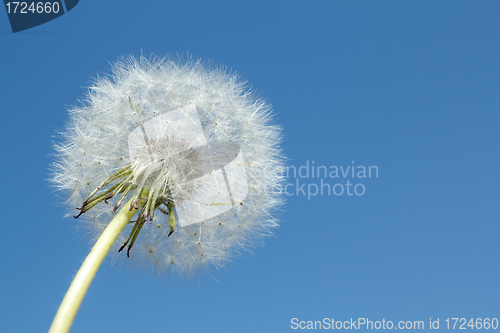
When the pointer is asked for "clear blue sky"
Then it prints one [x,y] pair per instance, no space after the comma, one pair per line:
[412,87]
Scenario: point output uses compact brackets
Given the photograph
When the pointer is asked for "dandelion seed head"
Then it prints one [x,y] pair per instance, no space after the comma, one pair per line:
[191,135]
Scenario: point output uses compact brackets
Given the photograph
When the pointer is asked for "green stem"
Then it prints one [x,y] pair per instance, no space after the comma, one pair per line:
[74,296]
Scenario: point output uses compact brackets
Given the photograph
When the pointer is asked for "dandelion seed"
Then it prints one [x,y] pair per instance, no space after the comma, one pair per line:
[178,144]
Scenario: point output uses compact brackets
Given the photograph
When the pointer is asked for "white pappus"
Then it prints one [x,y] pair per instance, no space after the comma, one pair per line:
[186,143]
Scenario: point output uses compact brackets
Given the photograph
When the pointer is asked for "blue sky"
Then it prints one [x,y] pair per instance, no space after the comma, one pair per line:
[411,87]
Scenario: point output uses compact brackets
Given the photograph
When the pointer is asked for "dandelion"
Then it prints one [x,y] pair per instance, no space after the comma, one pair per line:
[185,154]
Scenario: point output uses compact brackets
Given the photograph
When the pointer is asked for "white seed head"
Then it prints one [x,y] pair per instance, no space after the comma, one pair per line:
[192,139]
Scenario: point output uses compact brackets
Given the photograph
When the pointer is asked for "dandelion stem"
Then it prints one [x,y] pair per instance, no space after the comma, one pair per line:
[74,296]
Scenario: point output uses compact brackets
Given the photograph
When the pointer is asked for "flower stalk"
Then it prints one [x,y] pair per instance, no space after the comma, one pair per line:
[78,288]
